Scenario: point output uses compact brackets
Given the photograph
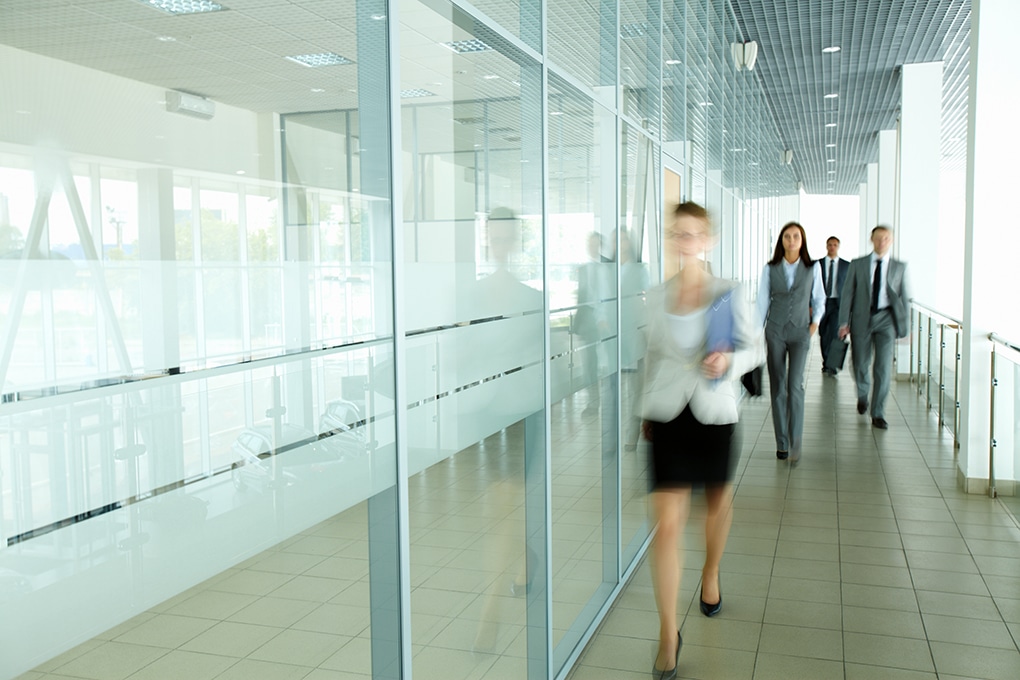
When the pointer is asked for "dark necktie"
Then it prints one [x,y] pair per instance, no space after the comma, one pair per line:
[876,284]
[828,281]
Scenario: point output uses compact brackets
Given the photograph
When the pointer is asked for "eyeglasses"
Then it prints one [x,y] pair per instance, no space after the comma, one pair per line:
[683,235]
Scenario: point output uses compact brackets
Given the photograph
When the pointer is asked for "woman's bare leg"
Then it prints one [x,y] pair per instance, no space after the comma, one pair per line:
[670,508]
[717,530]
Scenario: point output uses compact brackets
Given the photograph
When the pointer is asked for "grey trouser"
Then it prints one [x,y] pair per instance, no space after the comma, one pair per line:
[786,382]
[878,340]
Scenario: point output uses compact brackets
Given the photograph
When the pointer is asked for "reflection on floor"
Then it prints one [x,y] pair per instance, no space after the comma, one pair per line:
[865,562]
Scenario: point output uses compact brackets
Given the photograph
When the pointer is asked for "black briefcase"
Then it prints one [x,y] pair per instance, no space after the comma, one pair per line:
[837,355]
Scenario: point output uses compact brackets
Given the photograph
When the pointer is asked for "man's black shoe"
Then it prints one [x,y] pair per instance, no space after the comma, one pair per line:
[782,455]
[862,406]
[880,423]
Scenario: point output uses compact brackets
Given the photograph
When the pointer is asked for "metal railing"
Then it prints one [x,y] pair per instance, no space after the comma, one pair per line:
[936,331]
[1005,360]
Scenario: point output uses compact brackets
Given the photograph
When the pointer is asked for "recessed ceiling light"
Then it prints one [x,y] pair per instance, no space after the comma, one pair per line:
[830,125]
[183,6]
[832,160]
[415,92]
[239,172]
[321,59]
[555,113]
[318,89]
[830,50]
[705,104]
[491,77]
[378,17]
[673,62]
[753,163]
[832,172]
[830,146]
[464,46]
[831,95]
[166,38]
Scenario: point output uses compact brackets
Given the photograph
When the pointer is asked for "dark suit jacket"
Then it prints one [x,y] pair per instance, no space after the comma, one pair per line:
[855,301]
[841,271]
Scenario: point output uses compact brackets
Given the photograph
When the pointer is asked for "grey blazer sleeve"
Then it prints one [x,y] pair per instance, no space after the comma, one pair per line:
[846,298]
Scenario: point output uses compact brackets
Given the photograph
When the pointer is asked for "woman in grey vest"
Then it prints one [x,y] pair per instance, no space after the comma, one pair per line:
[791,302]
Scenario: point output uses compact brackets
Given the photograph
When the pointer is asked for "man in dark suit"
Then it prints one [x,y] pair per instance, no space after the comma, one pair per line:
[834,269]
[873,311]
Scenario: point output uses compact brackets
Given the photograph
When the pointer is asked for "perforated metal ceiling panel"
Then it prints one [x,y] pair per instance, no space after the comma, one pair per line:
[876,38]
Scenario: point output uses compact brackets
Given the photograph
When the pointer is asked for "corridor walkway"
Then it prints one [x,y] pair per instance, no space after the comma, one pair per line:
[865,562]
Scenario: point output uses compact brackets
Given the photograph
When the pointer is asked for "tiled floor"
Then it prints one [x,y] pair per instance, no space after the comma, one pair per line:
[862,563]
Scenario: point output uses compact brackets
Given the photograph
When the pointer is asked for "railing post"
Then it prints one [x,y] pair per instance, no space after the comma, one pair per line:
[942,374]
[927,361]
[919,319]
[910,376]
[956,393]
[991,442]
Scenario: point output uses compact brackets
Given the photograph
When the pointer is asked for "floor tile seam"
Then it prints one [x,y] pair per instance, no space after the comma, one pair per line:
[956,524]
[896,519]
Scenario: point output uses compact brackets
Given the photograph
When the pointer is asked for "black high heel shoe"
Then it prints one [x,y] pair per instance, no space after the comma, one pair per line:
[710,609]
[670,674]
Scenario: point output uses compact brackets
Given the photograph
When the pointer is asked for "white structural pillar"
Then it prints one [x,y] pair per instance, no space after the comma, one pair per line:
[991,241]
[870,210]
[918,206]
[863,190]
[886,179]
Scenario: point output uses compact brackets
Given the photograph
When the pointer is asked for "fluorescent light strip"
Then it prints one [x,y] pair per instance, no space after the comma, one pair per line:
[318,60]
[416,92]
[184,6]
[465,46]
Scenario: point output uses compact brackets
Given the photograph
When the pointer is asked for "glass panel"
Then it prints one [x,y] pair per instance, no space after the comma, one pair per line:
[256,464]
[641,62]
[582,42]
[640,199]
[583,319]
[476,341]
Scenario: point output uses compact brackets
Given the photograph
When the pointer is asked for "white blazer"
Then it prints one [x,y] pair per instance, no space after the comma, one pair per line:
[673,377]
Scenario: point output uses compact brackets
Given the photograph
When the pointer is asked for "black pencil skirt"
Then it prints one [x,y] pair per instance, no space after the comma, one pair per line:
[686,452]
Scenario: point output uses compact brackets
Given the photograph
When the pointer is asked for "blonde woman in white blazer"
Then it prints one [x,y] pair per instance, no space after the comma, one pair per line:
[690,410]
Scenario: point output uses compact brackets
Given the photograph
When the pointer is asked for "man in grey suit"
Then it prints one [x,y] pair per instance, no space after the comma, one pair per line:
[873,311]
[834,269]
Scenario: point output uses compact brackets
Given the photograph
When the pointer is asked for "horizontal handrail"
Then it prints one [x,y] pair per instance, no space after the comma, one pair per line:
[935,313]
[999,340]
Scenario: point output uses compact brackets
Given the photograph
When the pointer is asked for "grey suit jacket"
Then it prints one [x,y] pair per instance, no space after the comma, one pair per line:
[673,376]
[855,302]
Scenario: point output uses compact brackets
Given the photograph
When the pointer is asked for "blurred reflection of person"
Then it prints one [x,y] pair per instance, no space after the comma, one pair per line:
[633,284]
[513,309]
[589,320]
[689,406]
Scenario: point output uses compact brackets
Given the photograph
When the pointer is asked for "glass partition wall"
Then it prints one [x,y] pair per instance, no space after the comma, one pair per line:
[322,328]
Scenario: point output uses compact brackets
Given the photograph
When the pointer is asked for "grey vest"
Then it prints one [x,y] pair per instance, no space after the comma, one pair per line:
[789,306]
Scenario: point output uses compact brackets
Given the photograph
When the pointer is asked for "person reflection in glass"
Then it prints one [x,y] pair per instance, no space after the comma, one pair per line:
[589,321]
[505,307]
[633,284]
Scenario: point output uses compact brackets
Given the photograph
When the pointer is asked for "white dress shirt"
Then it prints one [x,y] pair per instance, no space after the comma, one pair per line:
[834,263]
[883,293]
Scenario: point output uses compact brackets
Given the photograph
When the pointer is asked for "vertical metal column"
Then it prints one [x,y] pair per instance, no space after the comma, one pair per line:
[942,373]
[956,394]
[991,431]
[927,368]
